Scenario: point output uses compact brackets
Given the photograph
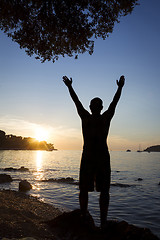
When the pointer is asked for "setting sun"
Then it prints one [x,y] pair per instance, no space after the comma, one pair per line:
[41,134]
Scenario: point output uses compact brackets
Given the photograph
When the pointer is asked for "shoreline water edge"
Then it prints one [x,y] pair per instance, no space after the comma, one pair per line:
[23,216]
[53,177]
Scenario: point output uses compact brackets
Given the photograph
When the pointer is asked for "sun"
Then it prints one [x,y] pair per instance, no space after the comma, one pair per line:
[41,134]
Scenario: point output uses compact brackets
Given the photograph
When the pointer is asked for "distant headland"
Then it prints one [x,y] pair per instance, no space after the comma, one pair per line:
[155,148]
[12,142]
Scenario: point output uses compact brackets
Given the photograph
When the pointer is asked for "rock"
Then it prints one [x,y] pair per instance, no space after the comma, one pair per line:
[25,238]
[122,185]
[72,223]
[65,180]
[5,178]
[24,186]
[21,169]
[71,226]
[10,169]
[130,232]
[68,180]
[139,179]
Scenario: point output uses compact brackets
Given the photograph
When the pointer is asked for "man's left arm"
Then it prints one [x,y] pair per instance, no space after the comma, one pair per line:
[113,104]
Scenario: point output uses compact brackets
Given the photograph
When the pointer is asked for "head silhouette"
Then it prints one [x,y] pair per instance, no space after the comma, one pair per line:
[96,105]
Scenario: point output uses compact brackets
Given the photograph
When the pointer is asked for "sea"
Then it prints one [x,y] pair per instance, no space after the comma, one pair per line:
[54,175]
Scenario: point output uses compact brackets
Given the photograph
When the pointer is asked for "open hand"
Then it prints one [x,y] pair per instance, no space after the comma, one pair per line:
[67,81]
[121,81]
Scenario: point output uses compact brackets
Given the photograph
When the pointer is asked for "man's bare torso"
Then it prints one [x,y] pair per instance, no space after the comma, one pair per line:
[95,131]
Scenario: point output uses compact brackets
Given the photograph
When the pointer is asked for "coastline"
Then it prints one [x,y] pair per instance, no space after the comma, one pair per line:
[23,216]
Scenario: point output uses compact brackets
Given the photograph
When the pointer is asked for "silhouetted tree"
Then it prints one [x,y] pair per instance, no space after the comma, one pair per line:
[12,142]
[50,28]
[2,134]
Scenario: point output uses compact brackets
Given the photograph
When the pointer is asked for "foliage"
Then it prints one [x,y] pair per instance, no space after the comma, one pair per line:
[50,28]
[12,142]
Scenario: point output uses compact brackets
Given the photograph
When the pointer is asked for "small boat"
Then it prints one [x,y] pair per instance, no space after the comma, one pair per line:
[139,150]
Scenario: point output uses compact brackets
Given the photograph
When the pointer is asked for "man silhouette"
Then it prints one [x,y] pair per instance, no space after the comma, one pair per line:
[95,163]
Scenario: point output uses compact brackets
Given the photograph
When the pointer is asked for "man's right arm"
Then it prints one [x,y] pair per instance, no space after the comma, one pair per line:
[79,106]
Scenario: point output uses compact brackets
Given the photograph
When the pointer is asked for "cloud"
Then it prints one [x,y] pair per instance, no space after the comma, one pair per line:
[61,136]
[19,126]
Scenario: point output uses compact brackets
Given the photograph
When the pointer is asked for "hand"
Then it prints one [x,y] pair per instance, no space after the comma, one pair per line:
[121,81]
[67,82]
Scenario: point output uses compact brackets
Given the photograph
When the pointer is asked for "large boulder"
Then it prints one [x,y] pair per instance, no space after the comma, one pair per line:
[71,226]
[5,178]
[24,186]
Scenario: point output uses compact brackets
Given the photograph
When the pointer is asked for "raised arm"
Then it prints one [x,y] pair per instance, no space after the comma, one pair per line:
[116,98]
[79,106]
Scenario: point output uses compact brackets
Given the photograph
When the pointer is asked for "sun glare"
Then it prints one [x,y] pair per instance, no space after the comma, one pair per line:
[41,134]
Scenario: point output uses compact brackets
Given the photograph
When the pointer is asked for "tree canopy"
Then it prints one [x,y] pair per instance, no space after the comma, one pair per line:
[12,142]
[48,29]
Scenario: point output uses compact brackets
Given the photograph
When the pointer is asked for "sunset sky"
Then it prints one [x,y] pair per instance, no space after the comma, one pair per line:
[34,99]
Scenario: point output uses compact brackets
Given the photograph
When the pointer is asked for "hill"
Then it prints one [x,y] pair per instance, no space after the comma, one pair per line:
[155,148]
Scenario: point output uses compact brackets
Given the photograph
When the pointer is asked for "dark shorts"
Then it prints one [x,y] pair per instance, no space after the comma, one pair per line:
[95,173]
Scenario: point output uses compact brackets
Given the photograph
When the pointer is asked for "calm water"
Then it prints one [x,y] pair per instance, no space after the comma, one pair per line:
[137,202]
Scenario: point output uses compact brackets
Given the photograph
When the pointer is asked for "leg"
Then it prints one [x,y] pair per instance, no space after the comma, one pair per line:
[83,200]
[104,203]
[103,186]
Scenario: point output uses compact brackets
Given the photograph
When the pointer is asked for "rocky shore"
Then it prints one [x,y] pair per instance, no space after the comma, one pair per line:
[25,217]
[22,216]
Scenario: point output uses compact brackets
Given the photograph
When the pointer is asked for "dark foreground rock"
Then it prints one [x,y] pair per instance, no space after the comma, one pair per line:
[71,226]
[23,216]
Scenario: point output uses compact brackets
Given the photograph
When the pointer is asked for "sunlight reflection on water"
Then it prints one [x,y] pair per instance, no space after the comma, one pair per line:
[39,173]
[39,160]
